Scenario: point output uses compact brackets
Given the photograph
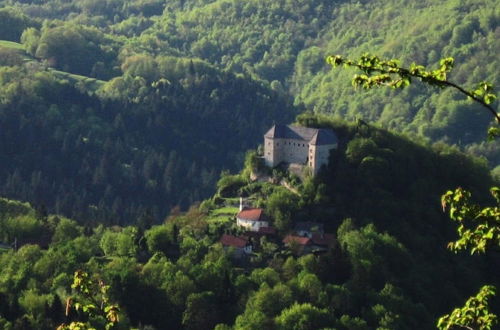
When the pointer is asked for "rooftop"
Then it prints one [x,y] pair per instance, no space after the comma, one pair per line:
[315,136]
[234,241]
[251,214]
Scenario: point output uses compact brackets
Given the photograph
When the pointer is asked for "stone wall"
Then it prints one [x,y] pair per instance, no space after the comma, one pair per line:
[295,151]
[285,150]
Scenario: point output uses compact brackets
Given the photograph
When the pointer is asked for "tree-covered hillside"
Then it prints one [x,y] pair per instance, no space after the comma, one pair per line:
[145,48]
[284,44]
[387,266]
[136,146]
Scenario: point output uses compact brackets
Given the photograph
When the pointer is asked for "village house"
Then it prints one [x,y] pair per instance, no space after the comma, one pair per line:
[317,243]
[299,245]
[303,146]
[240,244]
[253,219]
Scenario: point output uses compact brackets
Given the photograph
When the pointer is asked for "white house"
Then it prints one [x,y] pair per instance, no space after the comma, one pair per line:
[253,219]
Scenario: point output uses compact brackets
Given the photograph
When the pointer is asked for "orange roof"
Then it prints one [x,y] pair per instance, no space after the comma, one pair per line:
[230,240]
[298,239]
[251,214]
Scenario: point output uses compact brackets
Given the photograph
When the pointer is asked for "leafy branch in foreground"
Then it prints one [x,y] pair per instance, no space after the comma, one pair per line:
[94,303]
[477,227]
[378,72]
[474,315]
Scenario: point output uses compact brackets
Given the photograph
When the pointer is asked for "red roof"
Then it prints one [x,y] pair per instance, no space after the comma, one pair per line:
[298,239]
[325,239]
[230,240]
[251,214]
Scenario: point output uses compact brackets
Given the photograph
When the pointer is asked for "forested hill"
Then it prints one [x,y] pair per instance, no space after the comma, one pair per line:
[284,43]
[385,265]
[145,48]
[135,148]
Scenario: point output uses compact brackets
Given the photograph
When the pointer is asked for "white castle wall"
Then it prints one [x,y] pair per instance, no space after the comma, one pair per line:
[320,156]
[297,152]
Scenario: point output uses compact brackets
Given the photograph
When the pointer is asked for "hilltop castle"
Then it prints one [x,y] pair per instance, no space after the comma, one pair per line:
[299,145]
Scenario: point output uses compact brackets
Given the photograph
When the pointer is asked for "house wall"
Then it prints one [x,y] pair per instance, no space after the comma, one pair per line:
[251,225]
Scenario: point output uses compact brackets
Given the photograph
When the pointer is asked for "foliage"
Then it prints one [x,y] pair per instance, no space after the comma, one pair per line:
[474,314]
[192,84]
[159,239]
[303,317]
[94,302]
[478,228]
[109,160]
[379,72]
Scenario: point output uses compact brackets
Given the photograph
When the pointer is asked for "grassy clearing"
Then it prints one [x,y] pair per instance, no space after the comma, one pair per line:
[11,44]
[90,83]
[223,214]
[225,211]
[234,200]
[220,219]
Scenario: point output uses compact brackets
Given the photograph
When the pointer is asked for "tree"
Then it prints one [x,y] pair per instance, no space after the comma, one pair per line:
[119,244]
[281,206]
[158,239]
[200,311]
[478,228]
[377,72]
[92,298]
[303,317]
[474,315]
[66,230]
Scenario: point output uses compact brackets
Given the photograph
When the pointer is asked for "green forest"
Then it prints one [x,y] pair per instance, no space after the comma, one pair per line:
[379,273]
[129,130]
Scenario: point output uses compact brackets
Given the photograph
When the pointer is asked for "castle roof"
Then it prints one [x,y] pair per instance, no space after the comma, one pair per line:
[251,214]
[315,136]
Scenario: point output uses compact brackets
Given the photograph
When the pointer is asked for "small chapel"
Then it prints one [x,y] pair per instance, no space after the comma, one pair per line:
[299,145]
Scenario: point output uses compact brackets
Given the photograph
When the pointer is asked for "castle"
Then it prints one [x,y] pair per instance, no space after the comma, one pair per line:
[298,145]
